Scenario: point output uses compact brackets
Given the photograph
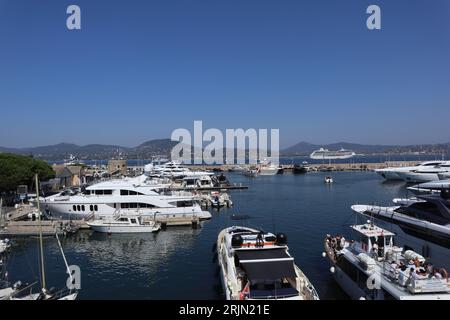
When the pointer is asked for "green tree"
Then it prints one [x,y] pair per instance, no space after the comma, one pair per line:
[16,170]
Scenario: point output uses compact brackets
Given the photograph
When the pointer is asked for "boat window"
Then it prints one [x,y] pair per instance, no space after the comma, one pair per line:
[91,207]
[95,207]
[123,219]
[107,191]
[82,208]
[187,203]
[124,205]
[124,192]
[146,205]
[132,193]
[78,208]
[74,208]
[133,220]
[133,205]
[99,192]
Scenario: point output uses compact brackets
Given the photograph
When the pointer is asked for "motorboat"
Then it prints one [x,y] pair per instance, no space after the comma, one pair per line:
[430,173]
[372,267]
[421,223]
[267,168]
[251,172]
[256,265]
[325,154]
[174,170]
[5,245]
[217,199]
[124,223]
[328,180]
[430,187]
[392,173]
[299,169]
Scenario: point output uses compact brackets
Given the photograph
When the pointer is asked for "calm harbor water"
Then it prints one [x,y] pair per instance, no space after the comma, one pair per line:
[178,263]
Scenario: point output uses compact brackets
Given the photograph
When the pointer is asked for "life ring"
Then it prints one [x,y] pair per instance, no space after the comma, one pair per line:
[444,273]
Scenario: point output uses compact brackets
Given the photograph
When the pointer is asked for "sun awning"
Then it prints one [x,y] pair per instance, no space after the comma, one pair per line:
[266,265]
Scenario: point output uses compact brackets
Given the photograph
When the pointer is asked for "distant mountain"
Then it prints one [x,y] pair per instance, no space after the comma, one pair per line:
[163,147]
[305,148]
[62,151]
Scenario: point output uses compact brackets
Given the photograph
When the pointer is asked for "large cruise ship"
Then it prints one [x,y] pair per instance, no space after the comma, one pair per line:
[331,155]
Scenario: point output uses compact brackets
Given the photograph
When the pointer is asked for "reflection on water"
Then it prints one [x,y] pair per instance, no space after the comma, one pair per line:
[178,263]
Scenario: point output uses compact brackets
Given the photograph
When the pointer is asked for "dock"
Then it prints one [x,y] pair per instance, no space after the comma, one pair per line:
[326,166]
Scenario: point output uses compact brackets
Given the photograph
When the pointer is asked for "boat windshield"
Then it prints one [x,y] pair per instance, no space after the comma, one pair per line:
[278,289]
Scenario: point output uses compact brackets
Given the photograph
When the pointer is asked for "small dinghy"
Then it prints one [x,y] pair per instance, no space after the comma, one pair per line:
[124,224]
[328,179]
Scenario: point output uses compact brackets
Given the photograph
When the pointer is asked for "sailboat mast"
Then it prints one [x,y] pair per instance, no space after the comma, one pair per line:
[41,245]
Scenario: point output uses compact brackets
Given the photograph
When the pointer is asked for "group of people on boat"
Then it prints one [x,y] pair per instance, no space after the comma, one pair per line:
[336,243]
[417,269]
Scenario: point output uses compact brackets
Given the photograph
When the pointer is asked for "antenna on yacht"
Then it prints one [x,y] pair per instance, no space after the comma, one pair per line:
[41,246]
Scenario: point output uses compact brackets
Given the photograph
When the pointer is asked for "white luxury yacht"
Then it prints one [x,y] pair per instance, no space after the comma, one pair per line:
[392,173]
[257,265]
[267,168]
[124,196]
[173,169]
[372,267]
[430,187]
[430,173]
[325,154]
[422,223]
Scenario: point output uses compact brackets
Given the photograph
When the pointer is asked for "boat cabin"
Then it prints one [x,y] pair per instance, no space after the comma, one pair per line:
[374,238]
[266,273]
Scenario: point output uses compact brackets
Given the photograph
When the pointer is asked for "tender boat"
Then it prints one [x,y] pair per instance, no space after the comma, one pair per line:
[124,224]
[328,179]
[256,265]
[218,200]
[373,268]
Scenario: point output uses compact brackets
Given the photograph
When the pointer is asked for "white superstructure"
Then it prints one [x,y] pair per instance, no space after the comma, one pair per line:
[125,196]
[429,173]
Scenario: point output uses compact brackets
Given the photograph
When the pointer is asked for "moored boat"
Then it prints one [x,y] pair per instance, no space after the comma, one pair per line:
[256,265]
[124,224]
[373,268]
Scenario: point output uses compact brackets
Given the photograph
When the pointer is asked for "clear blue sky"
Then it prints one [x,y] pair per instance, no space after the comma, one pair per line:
[139,69]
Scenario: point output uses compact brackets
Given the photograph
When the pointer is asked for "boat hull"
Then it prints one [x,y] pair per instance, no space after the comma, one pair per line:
[122,229]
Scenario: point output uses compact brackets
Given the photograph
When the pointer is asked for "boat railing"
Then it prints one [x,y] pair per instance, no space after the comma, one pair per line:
[428,285]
